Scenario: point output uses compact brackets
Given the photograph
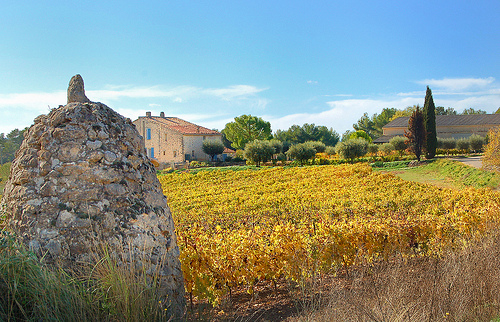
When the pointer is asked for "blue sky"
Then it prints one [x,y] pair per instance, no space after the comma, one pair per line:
[289,62]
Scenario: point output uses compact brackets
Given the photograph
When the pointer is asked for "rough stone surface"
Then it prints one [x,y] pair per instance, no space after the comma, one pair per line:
[82,172]
[76,90]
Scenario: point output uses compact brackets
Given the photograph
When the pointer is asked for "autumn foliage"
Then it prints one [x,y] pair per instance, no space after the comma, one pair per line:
[416,134]
[239,228]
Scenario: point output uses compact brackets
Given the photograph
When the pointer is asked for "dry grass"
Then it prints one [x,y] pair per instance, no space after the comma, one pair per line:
[461,286]
[109,287]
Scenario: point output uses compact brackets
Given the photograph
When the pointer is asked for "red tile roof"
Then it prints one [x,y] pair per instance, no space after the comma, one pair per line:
[182,126]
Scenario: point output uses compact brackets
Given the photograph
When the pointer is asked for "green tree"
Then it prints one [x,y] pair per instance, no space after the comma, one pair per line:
[247,128]
[365,124]
[399,144]
[352,148]
[307,132]
[10,144]
[440,110]
[213,148]
[277,145]
[463,144]
[406,112]
[476,142]
[429,112]
[301,152]
[373,126]
[346,135]
[258,151]
[360,134]
[471,111]
[416,134]
[225,141]
[447,143]
[318,146]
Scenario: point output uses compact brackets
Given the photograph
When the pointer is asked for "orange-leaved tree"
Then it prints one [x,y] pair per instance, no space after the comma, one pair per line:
[416,134]
[491,158]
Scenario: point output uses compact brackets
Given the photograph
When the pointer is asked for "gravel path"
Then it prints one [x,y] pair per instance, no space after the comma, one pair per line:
[475,162]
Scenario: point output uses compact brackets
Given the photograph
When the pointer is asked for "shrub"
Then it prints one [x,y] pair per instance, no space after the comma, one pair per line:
[476,142]
[447,143]
[386,148]
[319,146]
[352,148]
[301,152]
[399,144]
[372,148]
[463,144]
[259,151]
[330,150]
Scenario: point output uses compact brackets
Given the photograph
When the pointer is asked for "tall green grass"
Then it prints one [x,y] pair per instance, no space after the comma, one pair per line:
[108,289]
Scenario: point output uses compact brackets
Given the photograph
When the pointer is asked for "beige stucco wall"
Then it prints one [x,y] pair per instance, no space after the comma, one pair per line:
[171,146]
[167,144]
[193,145]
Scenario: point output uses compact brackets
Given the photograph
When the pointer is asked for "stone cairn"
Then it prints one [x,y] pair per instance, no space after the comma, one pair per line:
[82,173]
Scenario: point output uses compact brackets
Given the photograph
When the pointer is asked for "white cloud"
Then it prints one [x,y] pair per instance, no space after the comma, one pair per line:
[140,92]
[33,101]
[458,84]
[312,82]
[235,91]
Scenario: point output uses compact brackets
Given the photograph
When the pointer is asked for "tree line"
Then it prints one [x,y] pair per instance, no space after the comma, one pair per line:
[253,135]
[9,144]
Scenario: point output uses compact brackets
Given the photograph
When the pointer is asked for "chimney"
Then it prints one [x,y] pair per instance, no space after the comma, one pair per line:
[162,114]
[148,114]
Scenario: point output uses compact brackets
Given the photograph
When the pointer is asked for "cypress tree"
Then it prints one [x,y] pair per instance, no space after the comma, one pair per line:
[429,112]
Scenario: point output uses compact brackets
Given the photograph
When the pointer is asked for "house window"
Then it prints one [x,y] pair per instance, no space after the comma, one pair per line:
[192,153]
[175,154]
[152,153]
[148,134]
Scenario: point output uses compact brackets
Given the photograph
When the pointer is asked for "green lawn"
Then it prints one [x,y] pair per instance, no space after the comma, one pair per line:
[449,174]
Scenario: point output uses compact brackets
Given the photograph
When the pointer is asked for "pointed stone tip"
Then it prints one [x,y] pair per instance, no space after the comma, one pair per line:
[76,90]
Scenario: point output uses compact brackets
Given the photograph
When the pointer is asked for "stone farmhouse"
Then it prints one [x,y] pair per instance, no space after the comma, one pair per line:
[173,140]
[447,126]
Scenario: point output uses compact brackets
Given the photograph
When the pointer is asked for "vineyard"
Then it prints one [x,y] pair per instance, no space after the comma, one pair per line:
[238,228]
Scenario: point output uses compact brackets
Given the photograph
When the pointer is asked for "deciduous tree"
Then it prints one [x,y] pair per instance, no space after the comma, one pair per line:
[213,148]
[352,148]
[301,152]
[416,134]
[247,128]
[259,151]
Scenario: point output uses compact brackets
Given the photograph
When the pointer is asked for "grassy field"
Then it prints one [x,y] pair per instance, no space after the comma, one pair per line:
[448,174]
